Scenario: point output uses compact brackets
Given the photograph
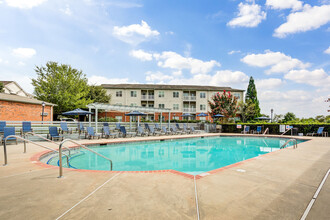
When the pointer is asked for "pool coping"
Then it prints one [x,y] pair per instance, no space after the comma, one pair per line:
[36,158]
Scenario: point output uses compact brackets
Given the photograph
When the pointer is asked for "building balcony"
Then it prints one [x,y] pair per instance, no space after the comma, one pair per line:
[147,97]
[189,98]
[189,110]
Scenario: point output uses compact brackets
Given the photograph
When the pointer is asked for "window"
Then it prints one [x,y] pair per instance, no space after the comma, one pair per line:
[237,95]
[119,93]
[151,105]
[176,118]
[202,107]
[161,94]
[133,94]
[175,106]
[119,118]
[175,94]
[161,105]
[202,118]
[133,104]
[202,95]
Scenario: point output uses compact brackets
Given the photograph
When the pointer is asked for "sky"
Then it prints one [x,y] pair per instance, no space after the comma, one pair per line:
[283,44]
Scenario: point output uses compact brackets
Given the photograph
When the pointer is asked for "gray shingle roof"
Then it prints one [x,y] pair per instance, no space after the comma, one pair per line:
[168,87]
[22,99]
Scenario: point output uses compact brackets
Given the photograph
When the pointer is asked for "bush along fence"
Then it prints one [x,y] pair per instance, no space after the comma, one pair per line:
[275,128]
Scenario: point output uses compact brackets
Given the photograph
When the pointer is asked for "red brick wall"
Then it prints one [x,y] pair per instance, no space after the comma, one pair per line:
[16,111]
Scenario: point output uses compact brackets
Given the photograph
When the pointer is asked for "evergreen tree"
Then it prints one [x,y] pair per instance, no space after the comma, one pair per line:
[251,96]
[1,87]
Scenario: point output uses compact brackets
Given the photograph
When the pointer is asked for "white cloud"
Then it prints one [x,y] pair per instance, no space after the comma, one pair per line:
[284,4]
[169,59]
[233,52]
[98,80]
[228,78]
[309,19]
[66,10]
[24,52]
[248,16]
[24,4]
[327,51]
[158,77]
[316,77]
[135,33]
[279,62]
[270,83]
[141,55]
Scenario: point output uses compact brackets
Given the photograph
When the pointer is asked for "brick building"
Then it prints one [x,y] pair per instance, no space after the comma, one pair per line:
[20,108]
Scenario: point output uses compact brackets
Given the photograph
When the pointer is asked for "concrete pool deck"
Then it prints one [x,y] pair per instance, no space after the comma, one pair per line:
[278,185]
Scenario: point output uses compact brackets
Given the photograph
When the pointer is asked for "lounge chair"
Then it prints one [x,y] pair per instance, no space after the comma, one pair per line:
[7,131]
[193,131]
[117,126]
[2,126]
[318,133]
[64,128]
[175,131]
[178,126]
[258,131]
[107,134]
[246,130]
[80,128]
[126,134]
[185,130]
[153,132]
[141,132]
[26,127]
[166,132]
[53,134]
[157,127]
[105,124]
[91,134]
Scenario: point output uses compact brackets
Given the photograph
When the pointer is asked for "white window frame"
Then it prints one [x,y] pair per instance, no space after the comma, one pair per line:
[119,93]
[161,94]
[133,93]
[176,106]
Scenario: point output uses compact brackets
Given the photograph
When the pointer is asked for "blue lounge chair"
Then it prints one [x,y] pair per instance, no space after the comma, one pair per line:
[7,131]
[124,133]
[318,133]
[153,132]
[91,134]
[26,127]
[185,130]
[2,126]
[107,133]
[141,132]
[64,128]
[175,131]
[118,126]
[105,124]
[80,128]
[166,131]
[246,130]
[177,126]
[53,134]
[193,131]
[258,131]
[146,125]
[157,127]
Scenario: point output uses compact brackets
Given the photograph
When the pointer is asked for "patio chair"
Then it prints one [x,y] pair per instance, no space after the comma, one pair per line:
[195,131]
[157,127]
[258,131]
[7,131]
[117,126]
[185,130]
[91,134]
[107,134]
[146,126]
[318,133]
[80,128]
[64,128]
[166,132]
[126,134]
[26,127]
[141,132]
[105,124]
[175,131]
[2,126]
[53,134]
[246,130]
[153,132]
[178,126]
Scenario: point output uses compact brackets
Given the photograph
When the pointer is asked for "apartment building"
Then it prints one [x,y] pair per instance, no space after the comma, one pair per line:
[181,99]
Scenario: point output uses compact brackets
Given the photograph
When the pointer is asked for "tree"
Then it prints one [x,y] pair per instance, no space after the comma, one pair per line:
[98,94]
[2,87]
[62,85]
[251,95]
[278,118]
[289,117]
[225,104]
[248,110]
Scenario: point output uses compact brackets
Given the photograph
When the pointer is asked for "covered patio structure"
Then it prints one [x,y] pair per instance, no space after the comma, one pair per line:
[126,108]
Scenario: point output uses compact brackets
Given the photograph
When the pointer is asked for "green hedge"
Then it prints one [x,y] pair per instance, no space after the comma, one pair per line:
[275,128]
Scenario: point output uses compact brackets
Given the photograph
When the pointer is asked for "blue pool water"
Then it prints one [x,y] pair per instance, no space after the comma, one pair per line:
[193,155]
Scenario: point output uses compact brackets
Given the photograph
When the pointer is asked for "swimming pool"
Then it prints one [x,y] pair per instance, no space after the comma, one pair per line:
[191,155]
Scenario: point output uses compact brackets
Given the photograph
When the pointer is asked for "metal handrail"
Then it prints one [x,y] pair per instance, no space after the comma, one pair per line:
[83,146]
[26,140]
[267,129]
[287,131]
[288,141]
[34,134]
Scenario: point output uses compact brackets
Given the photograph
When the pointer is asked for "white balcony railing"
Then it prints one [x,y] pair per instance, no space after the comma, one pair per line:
[147,97]
[190,110]
[189,98]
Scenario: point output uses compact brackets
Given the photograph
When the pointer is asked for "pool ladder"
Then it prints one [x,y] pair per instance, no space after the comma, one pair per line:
[288,141]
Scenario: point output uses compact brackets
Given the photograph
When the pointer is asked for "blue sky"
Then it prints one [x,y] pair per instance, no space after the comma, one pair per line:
[283,44]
